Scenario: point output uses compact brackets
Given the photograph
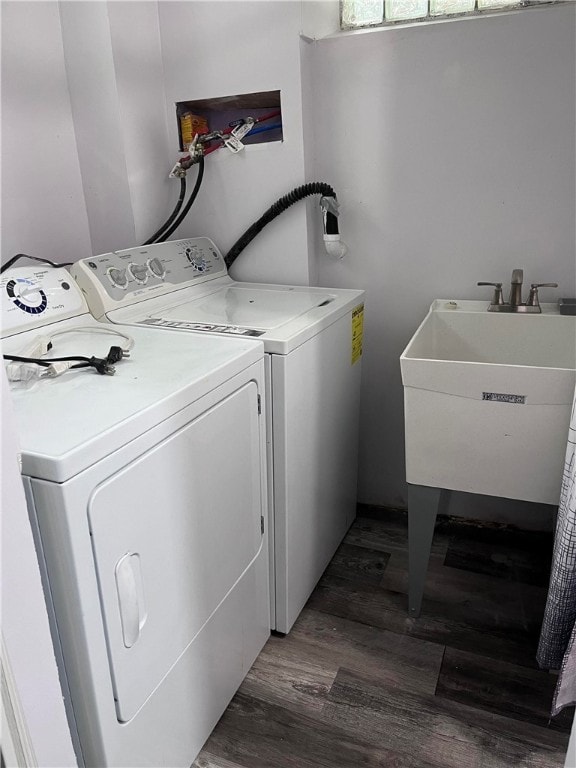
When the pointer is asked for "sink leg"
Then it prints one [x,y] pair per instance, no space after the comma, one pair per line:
[423,505]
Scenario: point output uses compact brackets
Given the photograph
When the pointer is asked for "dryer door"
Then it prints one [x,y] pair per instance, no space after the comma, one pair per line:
[172,534]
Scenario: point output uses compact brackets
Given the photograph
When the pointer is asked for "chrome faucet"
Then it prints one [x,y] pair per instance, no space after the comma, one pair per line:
[515,303]
[515,299]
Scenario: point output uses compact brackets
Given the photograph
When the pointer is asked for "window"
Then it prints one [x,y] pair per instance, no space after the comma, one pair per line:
[366,13]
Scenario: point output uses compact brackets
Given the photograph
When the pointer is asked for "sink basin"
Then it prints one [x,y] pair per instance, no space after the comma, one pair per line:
[468,333]
[488,398]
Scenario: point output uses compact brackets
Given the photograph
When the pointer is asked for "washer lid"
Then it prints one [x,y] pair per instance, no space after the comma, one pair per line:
[282,316]
[259,309]
[68,423]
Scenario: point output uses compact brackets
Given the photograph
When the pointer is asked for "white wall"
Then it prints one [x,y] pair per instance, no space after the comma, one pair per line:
[43,208]
[98,82]
[452,150]
[98,125]
[213,49]
[85,154]
[114,68]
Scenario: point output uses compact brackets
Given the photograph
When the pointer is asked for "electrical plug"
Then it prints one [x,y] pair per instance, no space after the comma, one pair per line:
[115,354]
[102,365]
[22,373]
[55,369]
[38,347]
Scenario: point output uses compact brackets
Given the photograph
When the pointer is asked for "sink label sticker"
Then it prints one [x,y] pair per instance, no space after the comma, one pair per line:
[357,332]
[497,397]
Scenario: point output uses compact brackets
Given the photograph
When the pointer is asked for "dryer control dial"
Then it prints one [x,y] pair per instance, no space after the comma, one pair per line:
[156,268]
[27,295]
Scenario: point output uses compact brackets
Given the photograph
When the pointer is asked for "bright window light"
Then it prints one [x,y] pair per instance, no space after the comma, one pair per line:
[395,10]
[362,13]
[496,3]
[446,7]
[365,13]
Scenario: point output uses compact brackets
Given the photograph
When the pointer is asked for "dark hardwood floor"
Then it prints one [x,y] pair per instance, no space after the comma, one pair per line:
[359,683]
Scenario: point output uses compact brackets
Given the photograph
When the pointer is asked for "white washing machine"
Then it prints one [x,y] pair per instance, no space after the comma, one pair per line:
[147,496]
[313,343]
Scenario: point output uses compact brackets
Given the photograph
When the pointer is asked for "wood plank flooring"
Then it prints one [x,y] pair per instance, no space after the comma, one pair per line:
[359,683]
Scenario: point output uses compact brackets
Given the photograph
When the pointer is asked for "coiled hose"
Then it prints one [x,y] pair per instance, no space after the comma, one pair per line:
[299,193]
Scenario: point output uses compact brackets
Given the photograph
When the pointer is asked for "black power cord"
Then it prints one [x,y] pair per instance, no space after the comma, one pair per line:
[103,365]
[19,256]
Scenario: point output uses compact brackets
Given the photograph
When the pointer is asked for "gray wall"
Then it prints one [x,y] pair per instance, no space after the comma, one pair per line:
[452,149]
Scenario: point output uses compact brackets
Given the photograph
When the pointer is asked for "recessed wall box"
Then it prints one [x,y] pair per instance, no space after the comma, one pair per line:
[225,112]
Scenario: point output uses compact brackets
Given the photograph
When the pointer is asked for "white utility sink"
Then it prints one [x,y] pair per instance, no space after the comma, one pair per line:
[488,398]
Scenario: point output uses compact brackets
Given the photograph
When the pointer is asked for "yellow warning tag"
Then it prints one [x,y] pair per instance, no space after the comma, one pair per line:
[357,331]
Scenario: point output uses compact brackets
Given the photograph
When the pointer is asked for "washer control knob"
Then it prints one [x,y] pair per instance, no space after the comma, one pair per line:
[118,277]
[139,272]
[156,268]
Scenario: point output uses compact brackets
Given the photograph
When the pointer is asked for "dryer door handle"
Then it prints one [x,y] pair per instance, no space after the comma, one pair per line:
[130,597]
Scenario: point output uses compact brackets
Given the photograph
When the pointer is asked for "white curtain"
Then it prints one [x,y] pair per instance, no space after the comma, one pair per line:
[557,647]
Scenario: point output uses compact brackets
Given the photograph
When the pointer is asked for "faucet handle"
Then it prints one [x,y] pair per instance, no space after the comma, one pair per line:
[497,298]
[533,297]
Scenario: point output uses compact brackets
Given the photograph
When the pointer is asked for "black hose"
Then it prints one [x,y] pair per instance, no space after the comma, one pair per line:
[188,205]
[173,215]
[314,188]
[19,256]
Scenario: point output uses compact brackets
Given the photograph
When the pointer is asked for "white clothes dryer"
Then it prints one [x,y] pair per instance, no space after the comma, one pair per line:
[147,497]
[313,343]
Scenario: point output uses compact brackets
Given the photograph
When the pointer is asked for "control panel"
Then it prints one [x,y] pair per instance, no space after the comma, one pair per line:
[35,296]
[116,279]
